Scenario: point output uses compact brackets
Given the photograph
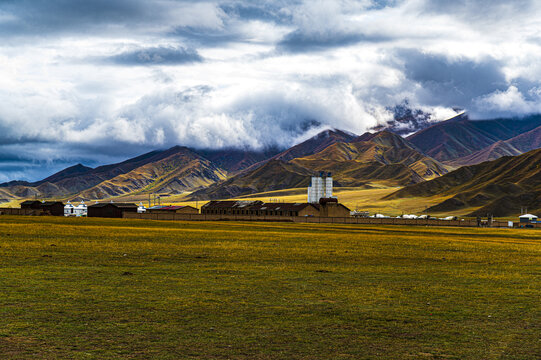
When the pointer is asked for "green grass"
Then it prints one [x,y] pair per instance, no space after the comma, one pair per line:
[95,289]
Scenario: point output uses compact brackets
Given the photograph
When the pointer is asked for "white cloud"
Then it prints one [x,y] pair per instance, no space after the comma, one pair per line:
[509,103]
[267,70]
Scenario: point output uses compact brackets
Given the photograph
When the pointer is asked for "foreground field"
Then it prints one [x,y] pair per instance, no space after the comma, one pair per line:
[94,288]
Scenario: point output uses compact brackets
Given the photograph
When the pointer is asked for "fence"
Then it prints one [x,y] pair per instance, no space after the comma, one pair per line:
[314,219]
[296,219]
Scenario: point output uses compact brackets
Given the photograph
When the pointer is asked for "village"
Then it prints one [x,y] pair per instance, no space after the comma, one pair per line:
[321,207]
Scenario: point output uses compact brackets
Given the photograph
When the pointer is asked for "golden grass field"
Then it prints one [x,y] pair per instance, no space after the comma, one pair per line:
[87,288]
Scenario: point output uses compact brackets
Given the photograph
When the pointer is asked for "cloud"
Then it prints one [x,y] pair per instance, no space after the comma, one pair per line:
[155,56]
[298,41]
[451,82]
[510,102]
[99,81]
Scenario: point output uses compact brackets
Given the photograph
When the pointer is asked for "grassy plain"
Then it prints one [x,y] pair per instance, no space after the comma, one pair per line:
[94,288]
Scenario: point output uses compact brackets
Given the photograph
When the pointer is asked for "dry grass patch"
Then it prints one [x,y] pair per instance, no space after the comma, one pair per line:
[96,288]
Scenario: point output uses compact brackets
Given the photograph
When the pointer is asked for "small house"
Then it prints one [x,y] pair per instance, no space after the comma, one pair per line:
[55,208]
[81,209]
[69,209]
[329,207]
[527,218]
[141,209]
[110,210]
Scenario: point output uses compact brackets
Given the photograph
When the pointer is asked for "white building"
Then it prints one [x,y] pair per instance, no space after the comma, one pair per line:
[321,187]
[81,209]
[141,208]
[69,209]
[527,218]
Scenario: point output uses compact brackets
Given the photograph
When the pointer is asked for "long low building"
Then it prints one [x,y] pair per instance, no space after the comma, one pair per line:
[326,208]
[161,209]
[55,208]
[110,210]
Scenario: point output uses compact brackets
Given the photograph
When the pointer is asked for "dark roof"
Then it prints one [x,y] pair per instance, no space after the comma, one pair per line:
[30,202]
[258,205]
[324,201]
[226,204]
[118,205]
[49,203]
[170,208]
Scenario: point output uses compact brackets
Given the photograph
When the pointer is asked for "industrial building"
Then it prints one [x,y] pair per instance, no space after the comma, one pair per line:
[110,210]
[326,208]
[161,209]
[321,187]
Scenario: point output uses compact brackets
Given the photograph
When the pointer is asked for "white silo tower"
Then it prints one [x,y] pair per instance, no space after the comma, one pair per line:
[317,190]
[328,186]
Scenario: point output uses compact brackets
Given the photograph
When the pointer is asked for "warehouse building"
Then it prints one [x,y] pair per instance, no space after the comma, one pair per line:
[31,204]
[160,209]
[326,208]
[55,208]
[110,210]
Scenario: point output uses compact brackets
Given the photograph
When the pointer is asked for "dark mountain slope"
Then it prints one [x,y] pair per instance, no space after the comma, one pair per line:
[234,160]
[517,145]
[182,170]
[460,137]
[273,175]
[315,144]
[500,187]
[385,148]
[386,159]
[78,178]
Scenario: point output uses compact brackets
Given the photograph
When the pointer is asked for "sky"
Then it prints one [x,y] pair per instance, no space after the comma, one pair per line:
[99,81]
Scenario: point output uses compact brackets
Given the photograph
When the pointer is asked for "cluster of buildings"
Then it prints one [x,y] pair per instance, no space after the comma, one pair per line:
[321,203]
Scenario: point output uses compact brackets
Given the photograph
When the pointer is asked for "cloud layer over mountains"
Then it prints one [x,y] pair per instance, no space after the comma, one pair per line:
[96,81]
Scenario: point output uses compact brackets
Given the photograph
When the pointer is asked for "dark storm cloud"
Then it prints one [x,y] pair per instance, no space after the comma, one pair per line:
[206,37]
[300,41]
[477,7]
[43,17]
[261,10]
[156,56]
[451,82]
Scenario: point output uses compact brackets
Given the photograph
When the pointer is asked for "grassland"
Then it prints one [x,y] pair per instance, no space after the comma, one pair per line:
[95,288]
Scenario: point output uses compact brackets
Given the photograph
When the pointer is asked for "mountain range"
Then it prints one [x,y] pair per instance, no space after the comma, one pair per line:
[500,187]
[421,163]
